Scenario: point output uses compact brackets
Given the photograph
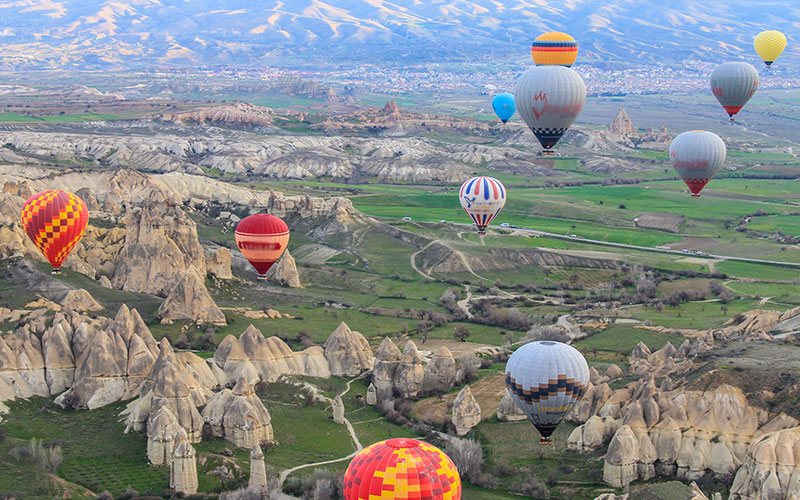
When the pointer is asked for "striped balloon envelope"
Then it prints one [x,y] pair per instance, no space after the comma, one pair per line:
[554,48]
[482,198]
[401,469]
[546,379]
[697,155]
[55,221]
[733,84]
[262,239]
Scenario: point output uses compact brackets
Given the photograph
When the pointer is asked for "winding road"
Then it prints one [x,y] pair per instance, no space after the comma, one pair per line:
[284,474]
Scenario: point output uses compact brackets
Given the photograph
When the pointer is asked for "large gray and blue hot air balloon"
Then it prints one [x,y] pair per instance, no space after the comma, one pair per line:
[546,379]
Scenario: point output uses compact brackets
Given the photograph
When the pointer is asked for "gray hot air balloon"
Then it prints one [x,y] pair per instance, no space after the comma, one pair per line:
[549,99]
[546,379]
[733,84]
[696,156]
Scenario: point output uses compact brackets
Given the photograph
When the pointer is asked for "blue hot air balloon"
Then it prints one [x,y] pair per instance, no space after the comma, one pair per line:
[504,106]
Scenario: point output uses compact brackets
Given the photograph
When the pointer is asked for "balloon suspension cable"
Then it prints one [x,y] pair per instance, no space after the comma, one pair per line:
[56,270]
[546,441]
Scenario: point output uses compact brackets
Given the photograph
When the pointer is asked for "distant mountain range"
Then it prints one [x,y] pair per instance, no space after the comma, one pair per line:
[127,33]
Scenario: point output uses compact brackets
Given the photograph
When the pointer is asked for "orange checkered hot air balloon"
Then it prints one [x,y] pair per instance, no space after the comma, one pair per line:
[402,469]
[55,221]
[262,238]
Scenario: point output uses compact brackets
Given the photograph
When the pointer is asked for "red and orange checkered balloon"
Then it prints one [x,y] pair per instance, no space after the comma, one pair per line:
[55,221]
[402,469]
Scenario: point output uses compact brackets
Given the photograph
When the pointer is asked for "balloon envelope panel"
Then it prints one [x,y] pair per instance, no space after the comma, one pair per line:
[504,107]
[546,379]
[262,239]
[402,469]
[733,84]
[55,221]
[769,45]
[697,155]
[549,99]
[482,198]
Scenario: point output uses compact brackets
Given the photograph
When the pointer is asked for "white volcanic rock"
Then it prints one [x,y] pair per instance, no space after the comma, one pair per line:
[440,372]
[218,263]
[190,300]
[466,411]
[508,410]
[285,271]
[183,468]
[410,373]
[58,359]
[348,352]
[80,300]
[239,416]
[771,468]
[161,435]
[621,458]
[387,358]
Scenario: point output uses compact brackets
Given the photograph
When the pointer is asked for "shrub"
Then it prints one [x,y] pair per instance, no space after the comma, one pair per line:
[467,455]
[468,367]
[543,332]
[531,487]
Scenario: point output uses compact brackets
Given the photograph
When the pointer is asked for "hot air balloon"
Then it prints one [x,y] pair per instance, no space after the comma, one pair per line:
[696,156]
[482,198]
[554,48]
[262,238]
[401,469]
[733,84]
[504,106]
[549,99]
[769,45]
[55,221]
[546,379]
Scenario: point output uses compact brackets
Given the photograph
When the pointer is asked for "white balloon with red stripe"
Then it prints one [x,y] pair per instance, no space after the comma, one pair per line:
[697,155]
[482,198]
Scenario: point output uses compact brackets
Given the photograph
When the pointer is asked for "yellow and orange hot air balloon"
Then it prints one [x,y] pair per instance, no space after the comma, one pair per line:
[55,221]
[554,48]
[262,238]
[402,469]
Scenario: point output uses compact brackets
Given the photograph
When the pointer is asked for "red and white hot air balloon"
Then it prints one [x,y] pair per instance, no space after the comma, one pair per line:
[262,239]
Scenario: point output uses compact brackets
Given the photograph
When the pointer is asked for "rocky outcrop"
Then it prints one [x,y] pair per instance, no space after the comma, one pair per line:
[622,124]
[466,411]
[348,352]
[81,301]
[183,468]
[338,410]
[410,373]
[160,245]
[189,300]
[218,263]
[258,470]
[258,358]
[770,469]
[440,372]
[161,435]
[508,410]
[239,416]
[59,360]
[621,458]
[237,114]
[371,397]
[387,358]
[285,271]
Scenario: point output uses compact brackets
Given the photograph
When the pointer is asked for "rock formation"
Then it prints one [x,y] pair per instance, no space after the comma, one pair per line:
[285,271]
[189,300]
[770,469]
[183,468]
[161,434]
[239,416]
[622,124]
[387,358]
[508,410]
[410,373]
[239,114]
[338,410]
[258,470]
[440,372]
[372,395]
[160,244]
[80,300]
[348,352]
[620,462]
[218,263]
[466,411]
[259,358]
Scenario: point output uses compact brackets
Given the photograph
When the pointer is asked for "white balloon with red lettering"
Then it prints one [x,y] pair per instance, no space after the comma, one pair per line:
[482,198]
[697,155]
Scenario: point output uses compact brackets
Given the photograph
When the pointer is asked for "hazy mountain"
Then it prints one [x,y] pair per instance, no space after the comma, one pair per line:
[127,32]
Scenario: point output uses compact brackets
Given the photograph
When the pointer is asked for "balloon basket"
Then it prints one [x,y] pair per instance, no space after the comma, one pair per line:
[261,277]
[546,441]
[695,195]
[481,233]
[55,271]
[732,120]
[548,152]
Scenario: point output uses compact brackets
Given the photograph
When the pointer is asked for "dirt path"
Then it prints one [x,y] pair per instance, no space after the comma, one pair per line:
[414,258]
[445,244]
[462,304]
[350,429]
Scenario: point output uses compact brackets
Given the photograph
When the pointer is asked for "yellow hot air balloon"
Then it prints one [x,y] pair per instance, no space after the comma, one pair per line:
[554,48]
[769,45]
